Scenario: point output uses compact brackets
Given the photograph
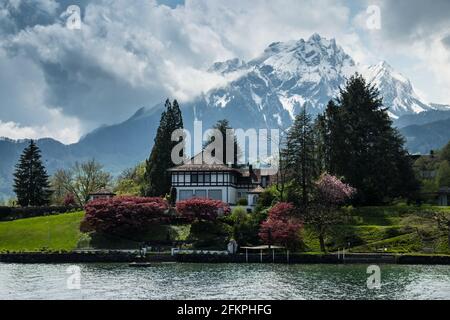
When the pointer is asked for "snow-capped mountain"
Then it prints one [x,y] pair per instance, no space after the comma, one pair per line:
[274,86]
[289,75]
[397,91]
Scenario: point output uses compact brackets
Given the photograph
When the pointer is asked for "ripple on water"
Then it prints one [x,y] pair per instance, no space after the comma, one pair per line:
[223,281]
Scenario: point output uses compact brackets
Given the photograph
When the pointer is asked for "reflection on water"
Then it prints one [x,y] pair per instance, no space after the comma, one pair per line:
[223,281]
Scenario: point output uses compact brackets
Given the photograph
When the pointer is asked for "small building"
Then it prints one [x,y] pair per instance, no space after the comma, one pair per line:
[101,194]
[253,195]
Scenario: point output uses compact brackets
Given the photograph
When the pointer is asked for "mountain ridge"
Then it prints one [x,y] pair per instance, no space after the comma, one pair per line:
[267,93]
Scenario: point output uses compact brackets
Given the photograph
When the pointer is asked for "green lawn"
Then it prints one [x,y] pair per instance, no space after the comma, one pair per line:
[55,233]
[61,233]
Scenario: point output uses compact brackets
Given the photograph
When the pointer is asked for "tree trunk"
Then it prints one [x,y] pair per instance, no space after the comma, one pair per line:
[448,227]
[322,243]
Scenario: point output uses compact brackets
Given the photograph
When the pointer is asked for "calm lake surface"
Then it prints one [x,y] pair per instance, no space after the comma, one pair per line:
[222,281]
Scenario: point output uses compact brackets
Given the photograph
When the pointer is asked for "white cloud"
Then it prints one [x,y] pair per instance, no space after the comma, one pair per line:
[128,56]
[131,55]
[410,38]
[59,127]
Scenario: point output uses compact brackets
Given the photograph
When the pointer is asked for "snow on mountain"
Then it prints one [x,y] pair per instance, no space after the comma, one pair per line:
[290,75]
[274,86]
[397,91]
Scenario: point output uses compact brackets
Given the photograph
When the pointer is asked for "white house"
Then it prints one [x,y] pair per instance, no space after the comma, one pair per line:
[219,182]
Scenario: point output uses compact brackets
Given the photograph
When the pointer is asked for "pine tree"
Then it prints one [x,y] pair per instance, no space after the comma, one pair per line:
[363,147]
[223,126]
[31,183]
[157,178]
[300,154]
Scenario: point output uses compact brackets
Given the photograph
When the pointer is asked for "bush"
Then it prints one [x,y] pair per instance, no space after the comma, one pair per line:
[15,213]
[124,215]
[281,227]
[202,209]
[69,200]
[210,234]
[242,202]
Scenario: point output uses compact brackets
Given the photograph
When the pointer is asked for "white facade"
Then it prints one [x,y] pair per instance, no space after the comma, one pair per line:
[217,181]
[216,185]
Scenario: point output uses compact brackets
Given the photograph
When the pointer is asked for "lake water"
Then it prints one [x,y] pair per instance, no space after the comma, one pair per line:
[222,281]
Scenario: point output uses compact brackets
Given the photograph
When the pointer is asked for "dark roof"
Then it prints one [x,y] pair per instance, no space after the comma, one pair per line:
[103,192]
[204,167]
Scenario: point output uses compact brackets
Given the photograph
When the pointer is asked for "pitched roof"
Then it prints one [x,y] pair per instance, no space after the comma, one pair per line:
[257,190]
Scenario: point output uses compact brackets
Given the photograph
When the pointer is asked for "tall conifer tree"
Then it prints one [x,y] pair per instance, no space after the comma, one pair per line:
[363,147]
[31,183]
[301,160]
[157,178]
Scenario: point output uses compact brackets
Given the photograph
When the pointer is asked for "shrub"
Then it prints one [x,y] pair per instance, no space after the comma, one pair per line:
[69,200]
[242,202]
[238,214]
[124,215]
[202,209]
[209,234]
[281,227]
[245,229]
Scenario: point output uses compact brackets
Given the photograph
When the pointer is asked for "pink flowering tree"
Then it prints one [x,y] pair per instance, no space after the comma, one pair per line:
[330,194]
[282,226]
[332,191]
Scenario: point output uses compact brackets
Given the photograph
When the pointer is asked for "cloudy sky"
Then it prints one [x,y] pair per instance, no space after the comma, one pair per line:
[62,83]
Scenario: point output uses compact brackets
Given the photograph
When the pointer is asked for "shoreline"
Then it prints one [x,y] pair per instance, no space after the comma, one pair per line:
[112,256]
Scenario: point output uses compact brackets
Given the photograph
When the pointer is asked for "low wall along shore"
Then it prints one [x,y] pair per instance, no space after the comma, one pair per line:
[130,256]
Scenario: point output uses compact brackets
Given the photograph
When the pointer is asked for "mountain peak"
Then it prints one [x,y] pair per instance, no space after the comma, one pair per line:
[315,37]
[228,66]
[384,65]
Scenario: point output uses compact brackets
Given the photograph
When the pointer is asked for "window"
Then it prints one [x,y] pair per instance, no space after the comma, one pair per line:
[186,194]
[207,177]
[215,194]
[200,194]
[201,178]
[214,177]
[194,178]
[264,181]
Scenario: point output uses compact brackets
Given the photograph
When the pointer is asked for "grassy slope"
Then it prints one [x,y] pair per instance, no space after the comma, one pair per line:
[374,229]
[59,232]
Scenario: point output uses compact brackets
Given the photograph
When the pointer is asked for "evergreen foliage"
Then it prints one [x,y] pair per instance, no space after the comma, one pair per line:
[362,146]
[301,158]
[157,178]
[31,183]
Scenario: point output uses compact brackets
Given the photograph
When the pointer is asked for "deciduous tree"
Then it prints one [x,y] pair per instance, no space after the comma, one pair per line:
[282,226]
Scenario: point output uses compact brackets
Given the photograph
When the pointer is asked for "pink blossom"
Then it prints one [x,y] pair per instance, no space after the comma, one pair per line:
[332,190]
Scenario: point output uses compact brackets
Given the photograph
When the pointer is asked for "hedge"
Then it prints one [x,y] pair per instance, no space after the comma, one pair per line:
[15,213]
